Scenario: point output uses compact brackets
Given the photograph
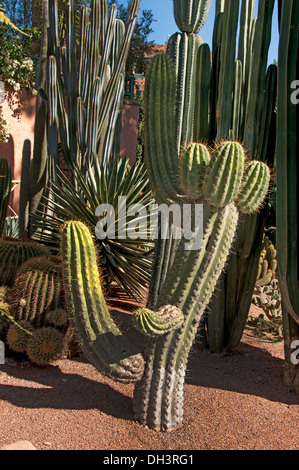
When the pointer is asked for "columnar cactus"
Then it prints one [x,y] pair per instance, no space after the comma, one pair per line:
[192,65]
[188,288]
[267,264]
[91,77]
[287,182]
[102,341]
[5,188]
[193,276]
[227,93]
[190,16]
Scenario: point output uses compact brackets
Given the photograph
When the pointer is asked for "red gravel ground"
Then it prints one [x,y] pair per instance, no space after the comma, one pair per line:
[232,402]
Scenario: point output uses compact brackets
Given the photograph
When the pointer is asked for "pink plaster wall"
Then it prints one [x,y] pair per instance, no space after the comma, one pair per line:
[22,128]
[130,117]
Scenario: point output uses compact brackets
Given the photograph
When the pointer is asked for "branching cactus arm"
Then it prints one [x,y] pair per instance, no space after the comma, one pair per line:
[224,180]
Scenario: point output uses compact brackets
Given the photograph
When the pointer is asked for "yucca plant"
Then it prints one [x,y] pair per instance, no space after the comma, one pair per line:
[124,260]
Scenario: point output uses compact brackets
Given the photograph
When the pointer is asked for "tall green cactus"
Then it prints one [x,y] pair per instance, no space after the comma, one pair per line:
[191,110]
[158,401]
[193,276]
[230,95]
[5,188]
[287,182]
[37,289]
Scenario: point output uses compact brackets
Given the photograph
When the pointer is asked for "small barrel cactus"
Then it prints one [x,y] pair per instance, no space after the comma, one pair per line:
[57,317]
[18,336]
[46,345]
[38,288]
[13,253]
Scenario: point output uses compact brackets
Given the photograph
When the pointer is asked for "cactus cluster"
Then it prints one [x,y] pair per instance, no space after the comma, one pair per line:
[188,288]
[31,300]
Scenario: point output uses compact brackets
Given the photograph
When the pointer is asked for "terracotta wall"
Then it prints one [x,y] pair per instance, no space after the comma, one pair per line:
[130,117]
[22,128]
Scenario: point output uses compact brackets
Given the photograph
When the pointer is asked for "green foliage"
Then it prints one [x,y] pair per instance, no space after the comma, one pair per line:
[4,19]
[122,259]
[17,68]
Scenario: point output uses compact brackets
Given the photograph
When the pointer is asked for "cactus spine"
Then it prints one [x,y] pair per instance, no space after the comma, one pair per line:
[45,345]
[5,188]
[287,181]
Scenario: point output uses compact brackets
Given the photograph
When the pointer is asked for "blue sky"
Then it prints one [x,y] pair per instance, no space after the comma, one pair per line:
[165,24]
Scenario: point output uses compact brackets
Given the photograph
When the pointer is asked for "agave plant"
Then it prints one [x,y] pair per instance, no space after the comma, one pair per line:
[124,260]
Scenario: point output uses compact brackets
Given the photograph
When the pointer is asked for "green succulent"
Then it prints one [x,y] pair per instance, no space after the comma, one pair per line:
[123,260]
